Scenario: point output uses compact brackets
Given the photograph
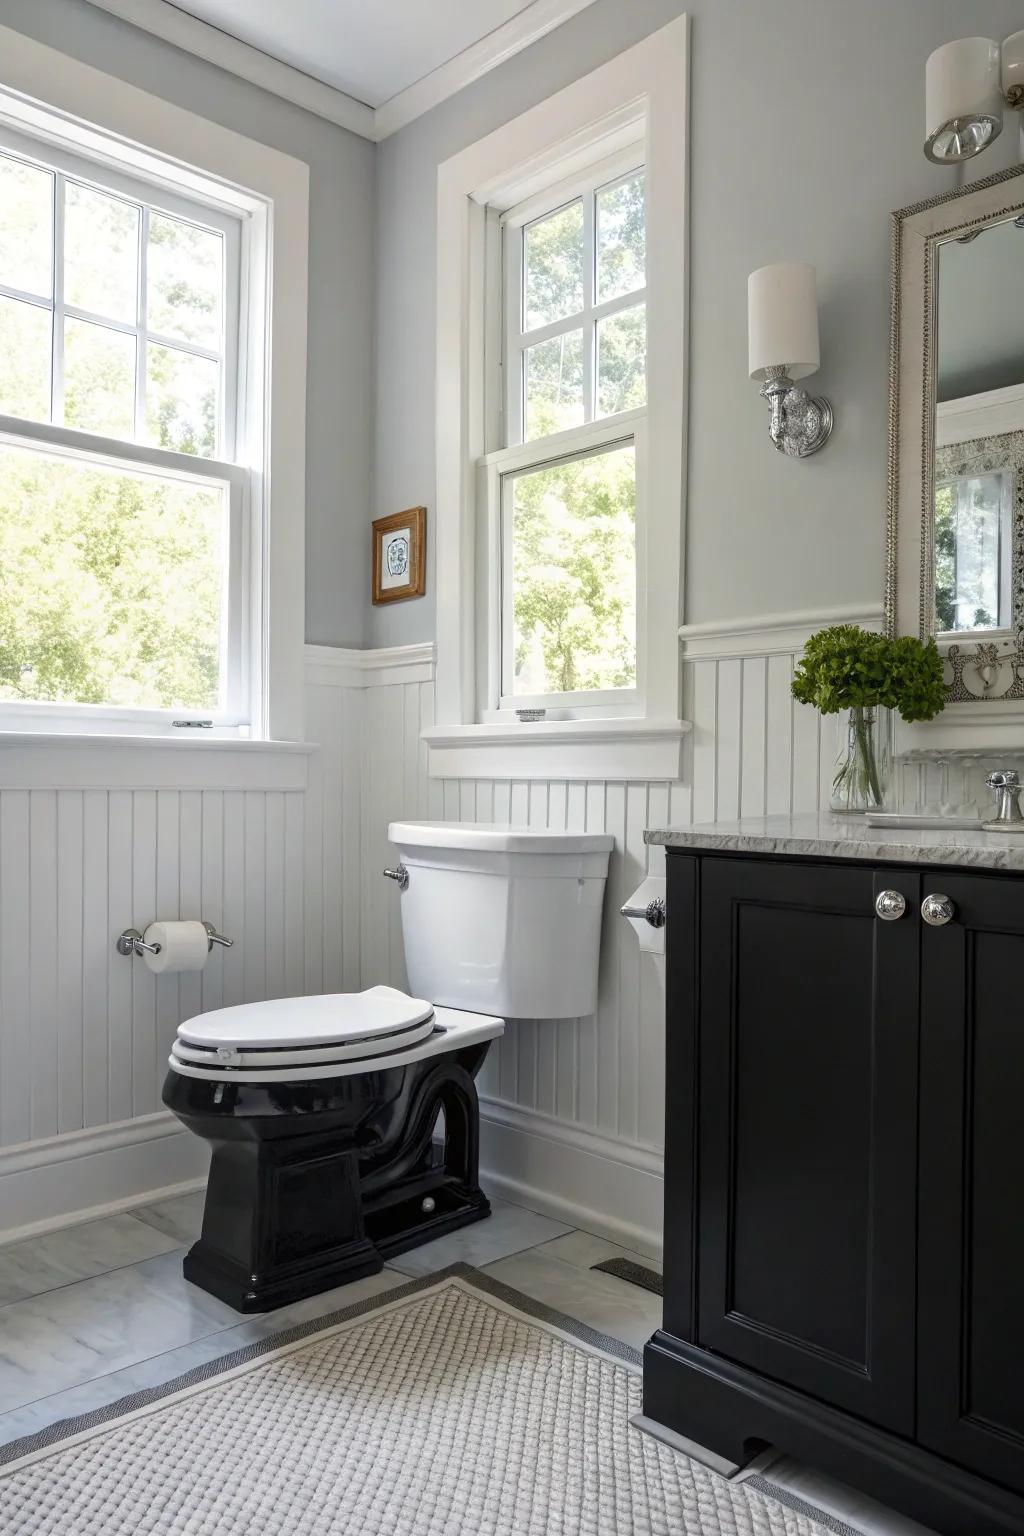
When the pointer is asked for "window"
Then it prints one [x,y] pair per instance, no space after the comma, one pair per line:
[123,496]
[973,520]
[561,431]
[564,485]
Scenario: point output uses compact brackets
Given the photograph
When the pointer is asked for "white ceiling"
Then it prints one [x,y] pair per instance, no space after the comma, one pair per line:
[370,49]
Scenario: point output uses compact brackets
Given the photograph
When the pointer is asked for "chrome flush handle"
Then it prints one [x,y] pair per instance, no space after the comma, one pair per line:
[890,905]
[400,876]
[937,910]
[654,912]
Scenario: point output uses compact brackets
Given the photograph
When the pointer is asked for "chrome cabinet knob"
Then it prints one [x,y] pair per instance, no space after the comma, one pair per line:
[937,910]
[890,905]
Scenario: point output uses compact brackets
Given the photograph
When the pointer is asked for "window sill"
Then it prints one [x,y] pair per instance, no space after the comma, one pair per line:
[74,760]
[623,749]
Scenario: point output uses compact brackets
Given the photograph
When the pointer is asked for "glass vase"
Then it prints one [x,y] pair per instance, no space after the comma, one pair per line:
[863,776]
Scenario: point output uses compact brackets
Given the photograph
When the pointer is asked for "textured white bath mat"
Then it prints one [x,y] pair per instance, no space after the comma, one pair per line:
[449,1407]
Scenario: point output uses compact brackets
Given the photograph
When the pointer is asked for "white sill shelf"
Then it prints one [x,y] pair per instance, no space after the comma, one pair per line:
[621,749]
[79,760]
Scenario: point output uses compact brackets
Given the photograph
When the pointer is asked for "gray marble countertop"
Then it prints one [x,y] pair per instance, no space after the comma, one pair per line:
[848,837]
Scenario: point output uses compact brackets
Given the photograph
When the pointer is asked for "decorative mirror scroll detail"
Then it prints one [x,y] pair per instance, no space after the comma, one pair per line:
[956,434]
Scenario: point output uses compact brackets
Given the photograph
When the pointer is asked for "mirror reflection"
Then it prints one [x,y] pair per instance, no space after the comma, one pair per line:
[979,427]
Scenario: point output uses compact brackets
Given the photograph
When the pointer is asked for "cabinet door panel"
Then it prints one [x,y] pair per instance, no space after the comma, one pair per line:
[971,1348]
[809,1023]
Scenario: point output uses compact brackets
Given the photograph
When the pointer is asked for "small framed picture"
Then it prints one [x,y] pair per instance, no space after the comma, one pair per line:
[399,545]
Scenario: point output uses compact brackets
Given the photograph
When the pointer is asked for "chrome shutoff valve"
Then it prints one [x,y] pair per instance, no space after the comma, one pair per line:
[1005,784]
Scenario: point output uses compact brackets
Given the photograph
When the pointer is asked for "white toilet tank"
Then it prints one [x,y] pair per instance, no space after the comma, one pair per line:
[502,920]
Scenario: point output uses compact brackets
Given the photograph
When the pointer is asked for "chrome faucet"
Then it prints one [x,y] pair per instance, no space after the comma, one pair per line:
[1009,817]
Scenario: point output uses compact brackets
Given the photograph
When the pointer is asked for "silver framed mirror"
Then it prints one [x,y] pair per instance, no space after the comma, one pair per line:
[955,523]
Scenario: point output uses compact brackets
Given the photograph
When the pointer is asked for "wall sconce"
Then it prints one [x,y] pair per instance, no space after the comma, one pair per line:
[782,320]
[967,84]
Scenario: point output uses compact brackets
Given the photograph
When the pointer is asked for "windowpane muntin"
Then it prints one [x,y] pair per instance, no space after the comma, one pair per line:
[98,278]
[554,374]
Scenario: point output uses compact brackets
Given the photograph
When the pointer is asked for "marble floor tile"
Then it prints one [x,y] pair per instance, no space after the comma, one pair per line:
[65,1337]
[508,1229]
[584,1250]
[611,1306]
[56,1259]
[33,1416]
[181,1217]
[838,1499]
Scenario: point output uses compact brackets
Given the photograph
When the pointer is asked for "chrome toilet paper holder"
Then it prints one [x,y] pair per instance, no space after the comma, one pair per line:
[131,942]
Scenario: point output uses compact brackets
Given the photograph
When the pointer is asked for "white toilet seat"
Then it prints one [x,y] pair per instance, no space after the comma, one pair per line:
[301,1039]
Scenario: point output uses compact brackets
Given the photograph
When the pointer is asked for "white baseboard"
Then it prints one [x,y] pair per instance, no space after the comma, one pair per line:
[67,1179]
[585,1179]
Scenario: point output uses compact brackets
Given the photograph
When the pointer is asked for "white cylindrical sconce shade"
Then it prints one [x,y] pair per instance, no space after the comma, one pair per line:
[782,319]
[1013,70]
[964,105]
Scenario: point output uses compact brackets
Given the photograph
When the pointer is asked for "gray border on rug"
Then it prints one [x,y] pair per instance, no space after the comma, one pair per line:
[65,1429]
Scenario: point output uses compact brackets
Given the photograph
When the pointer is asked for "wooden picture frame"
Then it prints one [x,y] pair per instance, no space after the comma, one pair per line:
[399,550]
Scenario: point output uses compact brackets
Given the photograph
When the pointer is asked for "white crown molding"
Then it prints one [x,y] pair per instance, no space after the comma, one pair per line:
[164,19]
[986,415]
[335,666]
[770,634]
[538,19]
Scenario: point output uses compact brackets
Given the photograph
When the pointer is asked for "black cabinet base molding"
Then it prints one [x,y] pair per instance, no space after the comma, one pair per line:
[736,1413]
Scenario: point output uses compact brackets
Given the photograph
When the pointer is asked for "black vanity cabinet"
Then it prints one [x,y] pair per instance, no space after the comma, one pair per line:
[844,1178]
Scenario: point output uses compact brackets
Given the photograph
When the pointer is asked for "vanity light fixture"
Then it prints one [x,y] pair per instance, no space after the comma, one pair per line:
[1013,71]
[963,99]
[967,84]
[782,320]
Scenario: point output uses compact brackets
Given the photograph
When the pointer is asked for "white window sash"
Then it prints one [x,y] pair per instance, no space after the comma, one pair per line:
[498,469]
[583,187]
[234,710]
[67,167]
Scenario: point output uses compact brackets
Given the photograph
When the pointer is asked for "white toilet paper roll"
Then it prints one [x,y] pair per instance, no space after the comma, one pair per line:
[183,946]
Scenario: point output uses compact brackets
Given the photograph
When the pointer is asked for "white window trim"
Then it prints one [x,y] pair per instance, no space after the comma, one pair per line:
[558,138]
[47,94]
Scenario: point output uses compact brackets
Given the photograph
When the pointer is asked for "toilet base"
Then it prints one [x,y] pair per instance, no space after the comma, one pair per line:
[230,1281]
[312,1187]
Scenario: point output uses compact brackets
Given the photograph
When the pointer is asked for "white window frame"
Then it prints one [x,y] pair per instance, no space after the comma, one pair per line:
[128,137]
[635,105]
[504,291]
[233,712]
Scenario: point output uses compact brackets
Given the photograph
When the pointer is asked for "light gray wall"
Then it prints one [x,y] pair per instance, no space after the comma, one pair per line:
[339,399]
[981,313]
[807,126]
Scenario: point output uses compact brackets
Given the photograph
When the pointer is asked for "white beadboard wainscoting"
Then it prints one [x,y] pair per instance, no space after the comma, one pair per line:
[95,837]
[282,849]
[573,1108]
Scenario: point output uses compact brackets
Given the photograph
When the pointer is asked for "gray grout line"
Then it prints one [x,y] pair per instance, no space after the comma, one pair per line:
[112,1269]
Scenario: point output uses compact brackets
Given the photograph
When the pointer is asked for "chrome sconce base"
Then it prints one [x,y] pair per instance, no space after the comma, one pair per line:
[800,423]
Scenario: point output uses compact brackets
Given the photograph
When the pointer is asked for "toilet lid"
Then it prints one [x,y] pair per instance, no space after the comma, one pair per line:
[381,1016]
